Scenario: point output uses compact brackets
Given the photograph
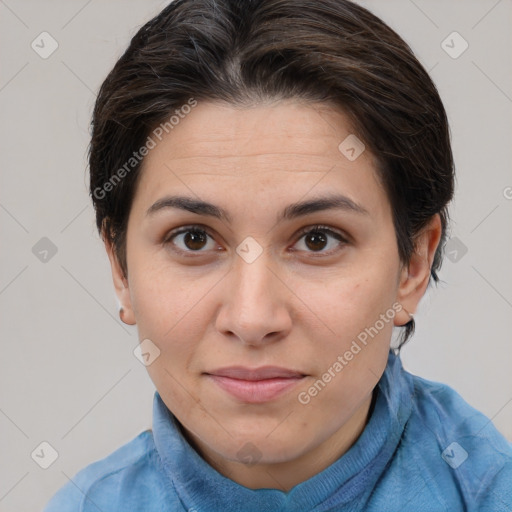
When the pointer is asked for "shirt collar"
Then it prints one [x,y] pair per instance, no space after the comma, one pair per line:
[351,477]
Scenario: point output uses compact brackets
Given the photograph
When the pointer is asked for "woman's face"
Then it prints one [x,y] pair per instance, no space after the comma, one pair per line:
[248,284]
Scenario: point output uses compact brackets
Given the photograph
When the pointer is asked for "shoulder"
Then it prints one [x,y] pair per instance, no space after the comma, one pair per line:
[129,474]
[457,446]
[448,415]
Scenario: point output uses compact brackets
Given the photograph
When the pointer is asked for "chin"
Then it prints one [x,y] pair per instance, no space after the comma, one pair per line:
[255,449]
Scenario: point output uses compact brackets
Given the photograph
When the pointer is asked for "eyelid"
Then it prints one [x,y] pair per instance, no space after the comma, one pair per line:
[321,227]
[342,238]
[183,229]
[167,238]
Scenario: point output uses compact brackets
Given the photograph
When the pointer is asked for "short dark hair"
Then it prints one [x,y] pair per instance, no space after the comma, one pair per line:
[248,51]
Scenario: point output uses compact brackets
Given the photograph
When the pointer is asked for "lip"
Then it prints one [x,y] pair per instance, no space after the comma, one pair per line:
[255,385]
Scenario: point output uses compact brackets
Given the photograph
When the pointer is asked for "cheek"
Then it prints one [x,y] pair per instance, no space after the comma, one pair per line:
[347,322]
[170,312]
[351,301]
[163,298]
[173,309]
[351,356]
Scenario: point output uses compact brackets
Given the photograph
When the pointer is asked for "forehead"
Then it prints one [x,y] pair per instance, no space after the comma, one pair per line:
[285,149]
[277,128]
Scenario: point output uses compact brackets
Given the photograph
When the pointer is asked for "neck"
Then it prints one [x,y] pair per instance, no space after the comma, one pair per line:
[288,474]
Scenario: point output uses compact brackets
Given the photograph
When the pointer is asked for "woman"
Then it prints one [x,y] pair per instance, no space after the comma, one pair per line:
[271,181]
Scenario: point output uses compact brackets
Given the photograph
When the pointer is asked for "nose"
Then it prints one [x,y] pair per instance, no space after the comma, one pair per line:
[254,307]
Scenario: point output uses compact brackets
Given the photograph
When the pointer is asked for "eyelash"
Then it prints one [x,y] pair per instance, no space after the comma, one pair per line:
[309,229]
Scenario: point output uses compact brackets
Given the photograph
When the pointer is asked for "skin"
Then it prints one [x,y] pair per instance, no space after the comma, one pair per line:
[299,305]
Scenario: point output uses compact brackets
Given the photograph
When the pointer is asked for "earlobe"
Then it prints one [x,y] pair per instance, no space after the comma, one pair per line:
[403,317]
[415,276]
[124,319]
[121,286]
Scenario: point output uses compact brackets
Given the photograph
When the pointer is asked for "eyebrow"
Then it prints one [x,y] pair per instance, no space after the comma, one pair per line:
[292,211]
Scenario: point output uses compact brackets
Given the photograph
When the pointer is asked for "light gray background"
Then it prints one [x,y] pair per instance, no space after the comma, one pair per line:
[68,374]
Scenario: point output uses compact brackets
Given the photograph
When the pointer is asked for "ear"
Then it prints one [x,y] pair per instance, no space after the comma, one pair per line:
[415,276]
[120,284]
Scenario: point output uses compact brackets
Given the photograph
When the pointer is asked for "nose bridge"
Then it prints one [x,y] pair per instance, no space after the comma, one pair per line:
[253,287]
[253,306]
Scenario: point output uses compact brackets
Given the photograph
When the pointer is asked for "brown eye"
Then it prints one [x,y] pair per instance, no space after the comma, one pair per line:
[315,240]
[191,240]
[320,239]
[195,240]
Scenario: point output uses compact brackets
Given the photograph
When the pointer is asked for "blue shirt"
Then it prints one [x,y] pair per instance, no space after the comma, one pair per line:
[423,449]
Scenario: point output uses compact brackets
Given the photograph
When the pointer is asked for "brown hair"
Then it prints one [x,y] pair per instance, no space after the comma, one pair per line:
[246,51]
